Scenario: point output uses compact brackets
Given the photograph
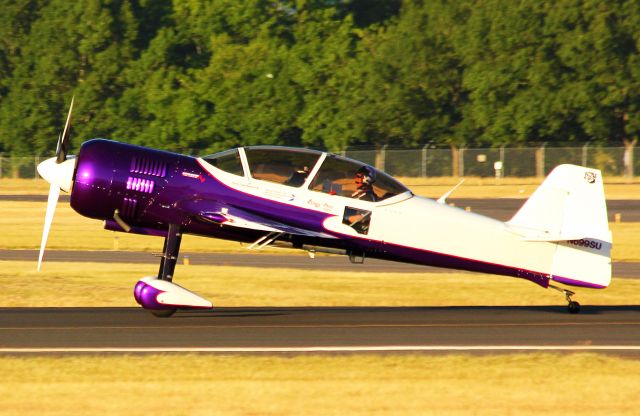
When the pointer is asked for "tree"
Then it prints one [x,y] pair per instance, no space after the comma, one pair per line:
[599,43]
[513,75]
[324,45]
[403,85]
[72,48]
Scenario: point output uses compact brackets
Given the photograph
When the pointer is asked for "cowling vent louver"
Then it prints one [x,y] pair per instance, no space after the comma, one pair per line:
[128,209]
[146,166]
[140,185]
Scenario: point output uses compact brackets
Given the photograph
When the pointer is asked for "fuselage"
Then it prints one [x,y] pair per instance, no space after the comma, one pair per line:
[146,189]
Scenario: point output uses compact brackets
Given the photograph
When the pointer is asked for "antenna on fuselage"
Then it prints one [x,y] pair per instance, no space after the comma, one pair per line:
[443,198]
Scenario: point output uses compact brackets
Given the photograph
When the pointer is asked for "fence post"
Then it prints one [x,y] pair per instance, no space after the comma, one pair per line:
[36,159]
[627,158]
[540,161]
[461,163]
[380,157]
[423,161]
[585,154]
[1,157]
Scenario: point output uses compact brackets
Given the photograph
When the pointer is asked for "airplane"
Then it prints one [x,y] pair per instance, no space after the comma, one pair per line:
[322,202]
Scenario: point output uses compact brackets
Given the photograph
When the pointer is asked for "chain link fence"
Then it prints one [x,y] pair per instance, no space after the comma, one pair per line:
[435,162]
[19,167]
[498,162]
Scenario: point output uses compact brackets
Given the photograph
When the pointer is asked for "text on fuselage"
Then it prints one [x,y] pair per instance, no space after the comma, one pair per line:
[586,243]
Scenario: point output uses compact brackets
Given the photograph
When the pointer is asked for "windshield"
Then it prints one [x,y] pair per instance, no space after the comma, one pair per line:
[228,161]
[283,165]
[346,177]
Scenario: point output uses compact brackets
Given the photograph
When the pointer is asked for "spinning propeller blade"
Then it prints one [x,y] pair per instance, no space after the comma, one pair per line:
[58,171]
[63,139]
[54,193]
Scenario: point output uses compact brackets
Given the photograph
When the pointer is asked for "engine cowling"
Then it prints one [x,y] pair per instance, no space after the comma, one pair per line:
[118,176]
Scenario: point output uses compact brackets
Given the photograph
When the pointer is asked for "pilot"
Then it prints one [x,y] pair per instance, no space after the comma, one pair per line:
[364,179]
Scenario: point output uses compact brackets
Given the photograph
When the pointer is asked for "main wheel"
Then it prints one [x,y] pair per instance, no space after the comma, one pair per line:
[162,313]
[574,307]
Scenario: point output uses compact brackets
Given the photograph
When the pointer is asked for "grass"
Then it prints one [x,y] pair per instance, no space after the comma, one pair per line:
[21,224]
[531,384]
[626,244]
[104,285]
[473,187]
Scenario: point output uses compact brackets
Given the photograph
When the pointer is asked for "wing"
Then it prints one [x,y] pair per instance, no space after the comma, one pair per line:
[217,213]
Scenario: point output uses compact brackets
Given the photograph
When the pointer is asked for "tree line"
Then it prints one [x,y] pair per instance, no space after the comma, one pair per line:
[196,75]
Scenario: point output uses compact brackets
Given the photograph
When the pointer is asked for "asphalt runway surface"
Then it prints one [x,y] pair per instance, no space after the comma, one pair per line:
[611,329]
[499,208]
[475,330]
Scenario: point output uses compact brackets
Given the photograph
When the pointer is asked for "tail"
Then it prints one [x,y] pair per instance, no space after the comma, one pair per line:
[569,210]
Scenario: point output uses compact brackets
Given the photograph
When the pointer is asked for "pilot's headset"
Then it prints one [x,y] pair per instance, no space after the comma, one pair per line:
[368,175]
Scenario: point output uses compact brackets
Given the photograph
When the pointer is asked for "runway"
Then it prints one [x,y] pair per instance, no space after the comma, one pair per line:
[614,329]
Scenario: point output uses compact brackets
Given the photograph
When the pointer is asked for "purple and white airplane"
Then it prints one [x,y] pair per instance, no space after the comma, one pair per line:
[320,202]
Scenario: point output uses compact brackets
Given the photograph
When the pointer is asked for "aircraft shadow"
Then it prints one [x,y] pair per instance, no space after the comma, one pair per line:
[234,312]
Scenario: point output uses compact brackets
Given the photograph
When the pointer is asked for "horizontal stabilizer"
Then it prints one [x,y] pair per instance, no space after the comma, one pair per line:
[535,235]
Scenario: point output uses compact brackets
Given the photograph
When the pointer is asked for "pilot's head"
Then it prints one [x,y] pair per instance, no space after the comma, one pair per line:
[365,175]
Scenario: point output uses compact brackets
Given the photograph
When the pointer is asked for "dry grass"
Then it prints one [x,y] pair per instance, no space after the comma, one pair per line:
[615,188]
[22,222]
[99,284]
[473,187]
[23,186]
[626,244]
[531,384]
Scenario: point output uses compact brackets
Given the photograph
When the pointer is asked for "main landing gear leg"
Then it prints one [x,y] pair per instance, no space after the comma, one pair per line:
[168,263]
[573,306]
[170,253]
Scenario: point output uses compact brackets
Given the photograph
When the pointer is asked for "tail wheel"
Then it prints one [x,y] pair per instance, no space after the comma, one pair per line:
[574,307]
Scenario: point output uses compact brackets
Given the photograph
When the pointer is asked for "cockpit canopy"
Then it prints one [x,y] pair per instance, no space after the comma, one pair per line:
[292,166]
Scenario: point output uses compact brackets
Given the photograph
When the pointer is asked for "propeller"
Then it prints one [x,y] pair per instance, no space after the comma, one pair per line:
[63,139]
[58,171]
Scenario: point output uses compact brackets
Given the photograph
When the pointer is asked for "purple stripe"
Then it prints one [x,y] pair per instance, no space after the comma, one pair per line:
[574,282]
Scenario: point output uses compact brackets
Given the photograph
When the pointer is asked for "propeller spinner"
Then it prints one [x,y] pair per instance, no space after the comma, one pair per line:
[58,171]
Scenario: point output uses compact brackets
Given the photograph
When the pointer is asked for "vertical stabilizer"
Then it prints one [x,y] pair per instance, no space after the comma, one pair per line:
[569,210]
